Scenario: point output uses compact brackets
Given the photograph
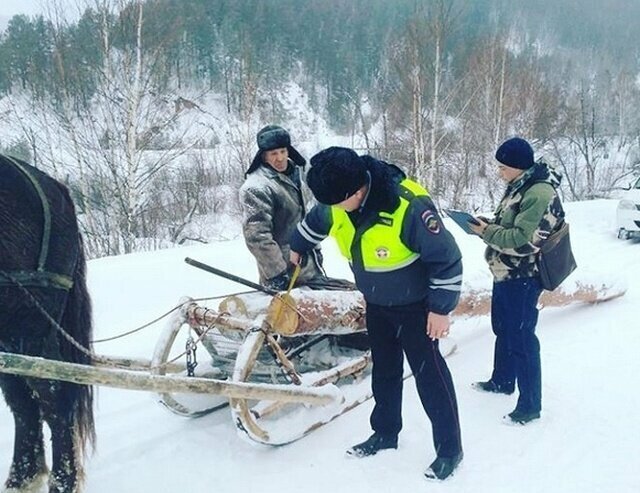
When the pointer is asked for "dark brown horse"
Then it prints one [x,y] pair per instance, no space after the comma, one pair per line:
[43,292]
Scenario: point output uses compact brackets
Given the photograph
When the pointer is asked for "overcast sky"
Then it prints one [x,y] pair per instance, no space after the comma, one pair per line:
[9,8]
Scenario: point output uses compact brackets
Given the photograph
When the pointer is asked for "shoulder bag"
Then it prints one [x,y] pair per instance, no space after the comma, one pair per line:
[555,258]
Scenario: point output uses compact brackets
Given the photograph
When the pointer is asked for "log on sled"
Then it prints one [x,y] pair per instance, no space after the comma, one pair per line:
[308,312]
[478,302]
[305,339]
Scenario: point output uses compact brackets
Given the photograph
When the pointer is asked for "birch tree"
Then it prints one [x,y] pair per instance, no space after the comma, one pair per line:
[126,135]
[441,17]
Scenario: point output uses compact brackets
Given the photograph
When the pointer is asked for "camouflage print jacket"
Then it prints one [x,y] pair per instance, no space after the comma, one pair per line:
[272,205]
[529,211]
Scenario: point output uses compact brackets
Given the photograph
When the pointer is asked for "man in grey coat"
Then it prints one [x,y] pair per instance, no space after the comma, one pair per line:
[273,199]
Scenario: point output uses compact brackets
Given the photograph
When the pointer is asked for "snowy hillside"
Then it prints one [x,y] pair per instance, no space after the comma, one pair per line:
[586,441]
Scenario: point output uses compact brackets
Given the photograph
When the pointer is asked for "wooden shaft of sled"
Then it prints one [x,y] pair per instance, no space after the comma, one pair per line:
[125,379]
[137,364]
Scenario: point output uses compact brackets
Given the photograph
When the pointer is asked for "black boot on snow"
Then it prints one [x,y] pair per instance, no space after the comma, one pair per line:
[373,445]
[520,417]
[442,467]
[491,386]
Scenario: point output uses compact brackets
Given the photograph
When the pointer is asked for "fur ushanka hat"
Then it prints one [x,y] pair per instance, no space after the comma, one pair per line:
[336,174]
[274,137]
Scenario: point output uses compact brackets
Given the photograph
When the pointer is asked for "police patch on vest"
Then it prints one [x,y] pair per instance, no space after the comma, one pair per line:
[431,222]
[382,253]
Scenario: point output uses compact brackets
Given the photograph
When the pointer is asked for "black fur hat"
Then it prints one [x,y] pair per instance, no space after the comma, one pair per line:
[274,137]
[336,173]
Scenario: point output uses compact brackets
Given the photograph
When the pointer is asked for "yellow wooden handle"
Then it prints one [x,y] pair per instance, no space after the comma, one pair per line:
[285,321]
[294,277]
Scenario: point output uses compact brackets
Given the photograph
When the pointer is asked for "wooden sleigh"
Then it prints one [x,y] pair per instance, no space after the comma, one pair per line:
[313,340]
[285,364]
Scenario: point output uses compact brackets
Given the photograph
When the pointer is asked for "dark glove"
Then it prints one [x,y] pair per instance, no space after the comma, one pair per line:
[279,282]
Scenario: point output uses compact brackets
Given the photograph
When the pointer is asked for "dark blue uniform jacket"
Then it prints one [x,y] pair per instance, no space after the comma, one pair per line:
[434,279]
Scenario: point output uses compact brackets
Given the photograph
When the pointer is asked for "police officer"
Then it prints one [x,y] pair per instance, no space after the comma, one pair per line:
[408,267]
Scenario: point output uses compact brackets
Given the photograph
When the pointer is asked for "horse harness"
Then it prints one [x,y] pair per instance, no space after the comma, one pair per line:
[40,278]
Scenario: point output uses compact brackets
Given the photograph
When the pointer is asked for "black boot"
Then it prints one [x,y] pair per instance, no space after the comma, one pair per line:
[442,467]
[372,445]
[491,386]
[520,417]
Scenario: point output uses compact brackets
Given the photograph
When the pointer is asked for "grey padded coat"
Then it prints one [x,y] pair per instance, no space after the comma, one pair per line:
[272,205]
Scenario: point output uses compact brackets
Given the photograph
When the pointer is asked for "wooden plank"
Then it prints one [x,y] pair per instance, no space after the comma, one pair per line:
[132,380]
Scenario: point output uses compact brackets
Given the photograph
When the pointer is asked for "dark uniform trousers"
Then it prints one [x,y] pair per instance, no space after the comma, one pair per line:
[393,330]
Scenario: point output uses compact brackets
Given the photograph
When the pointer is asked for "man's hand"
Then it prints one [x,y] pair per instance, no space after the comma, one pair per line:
[480,227]
[294,257]
[437,325]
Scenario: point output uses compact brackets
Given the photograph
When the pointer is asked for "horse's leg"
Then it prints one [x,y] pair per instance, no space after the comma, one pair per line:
[28,466]
[58,409]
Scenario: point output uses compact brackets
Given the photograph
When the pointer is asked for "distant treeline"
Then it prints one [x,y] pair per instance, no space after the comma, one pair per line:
[340,46]
[434,85]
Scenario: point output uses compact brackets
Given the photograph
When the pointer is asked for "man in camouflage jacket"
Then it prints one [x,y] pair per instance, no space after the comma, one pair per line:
[528,213]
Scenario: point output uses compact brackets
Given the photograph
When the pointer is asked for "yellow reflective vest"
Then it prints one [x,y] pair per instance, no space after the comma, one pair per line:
[378,247]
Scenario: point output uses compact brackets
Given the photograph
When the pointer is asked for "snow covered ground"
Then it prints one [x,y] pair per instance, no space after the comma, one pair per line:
[587,440]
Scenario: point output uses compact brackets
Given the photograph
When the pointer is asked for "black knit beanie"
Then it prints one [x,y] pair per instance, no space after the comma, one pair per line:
[515,153]
[336,173]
